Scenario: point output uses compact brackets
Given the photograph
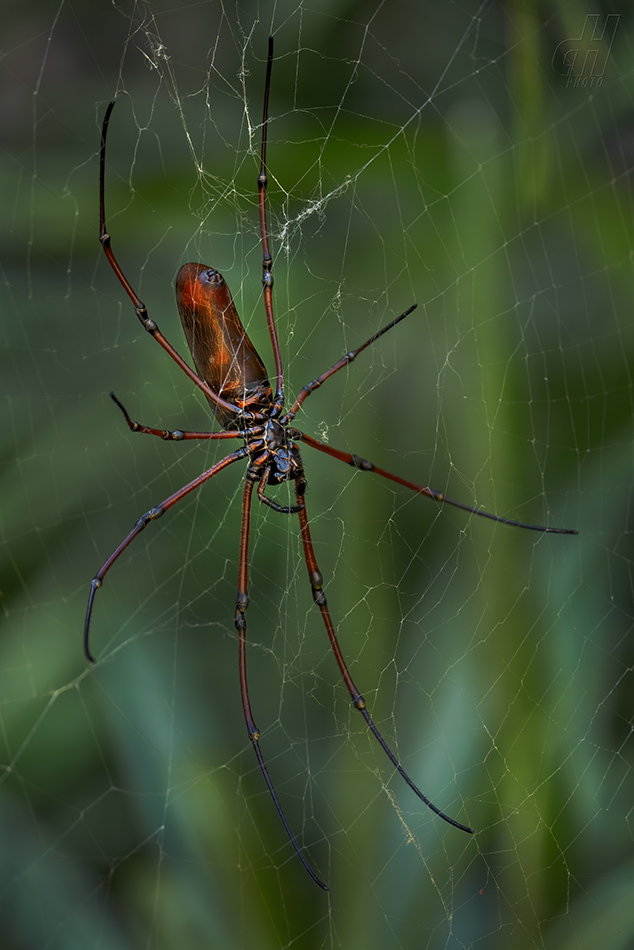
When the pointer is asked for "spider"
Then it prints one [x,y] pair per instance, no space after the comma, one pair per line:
[231,374]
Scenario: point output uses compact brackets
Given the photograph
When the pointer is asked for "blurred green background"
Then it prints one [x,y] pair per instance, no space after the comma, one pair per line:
[456,155]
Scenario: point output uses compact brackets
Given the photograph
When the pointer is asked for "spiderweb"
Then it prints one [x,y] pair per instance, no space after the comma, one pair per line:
[473,158]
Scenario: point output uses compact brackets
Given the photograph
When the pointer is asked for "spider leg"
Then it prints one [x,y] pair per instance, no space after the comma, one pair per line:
[152,515]
[316,582]
[367,466]
[345,360]
[262,481]
[242,602]
[139,307]
[267,260]
[177,435]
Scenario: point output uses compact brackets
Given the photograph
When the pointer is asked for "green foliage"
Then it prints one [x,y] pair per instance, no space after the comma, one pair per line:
[422,154]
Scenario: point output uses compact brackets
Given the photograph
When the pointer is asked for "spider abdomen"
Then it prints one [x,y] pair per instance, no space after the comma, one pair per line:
[223,354]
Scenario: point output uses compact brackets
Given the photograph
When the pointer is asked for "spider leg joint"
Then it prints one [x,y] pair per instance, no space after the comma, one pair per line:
[363,464]
[316,580]
[150,515]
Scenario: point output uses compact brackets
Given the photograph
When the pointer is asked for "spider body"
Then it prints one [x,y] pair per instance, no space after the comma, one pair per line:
[226,359]
[233,378]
